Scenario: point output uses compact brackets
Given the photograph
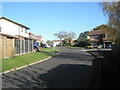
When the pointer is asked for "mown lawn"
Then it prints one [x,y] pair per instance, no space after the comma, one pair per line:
[51,49]
[22,60]
[75,47]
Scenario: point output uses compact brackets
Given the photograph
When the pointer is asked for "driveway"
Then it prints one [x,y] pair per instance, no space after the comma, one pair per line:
[71,68]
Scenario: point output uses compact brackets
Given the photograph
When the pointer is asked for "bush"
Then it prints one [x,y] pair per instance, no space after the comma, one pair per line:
[91,47]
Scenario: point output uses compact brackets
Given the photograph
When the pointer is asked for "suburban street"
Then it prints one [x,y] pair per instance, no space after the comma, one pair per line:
[70,44]
[71,68]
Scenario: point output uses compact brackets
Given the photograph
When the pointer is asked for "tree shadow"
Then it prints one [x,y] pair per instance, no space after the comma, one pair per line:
[62,76]
[74,56]
[109,66]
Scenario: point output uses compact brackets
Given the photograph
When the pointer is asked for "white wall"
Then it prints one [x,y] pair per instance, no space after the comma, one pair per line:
[10,28]
[56,43]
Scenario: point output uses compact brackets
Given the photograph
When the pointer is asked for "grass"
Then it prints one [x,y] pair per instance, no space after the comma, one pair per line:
[74,47]
[25,59]
[51,49]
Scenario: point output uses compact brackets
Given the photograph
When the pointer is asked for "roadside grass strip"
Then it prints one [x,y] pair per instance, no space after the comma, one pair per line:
[75,47]
[51,49]
[23,60]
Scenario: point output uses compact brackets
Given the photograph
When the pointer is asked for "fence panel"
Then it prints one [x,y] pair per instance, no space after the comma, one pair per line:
[26,45]
[1,47]
[116,49]
[6,47]
[23,47]
[9,47]
[17,46]
[30,45]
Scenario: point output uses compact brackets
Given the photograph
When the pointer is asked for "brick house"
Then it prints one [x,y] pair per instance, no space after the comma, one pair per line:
[97,37]
[16,35]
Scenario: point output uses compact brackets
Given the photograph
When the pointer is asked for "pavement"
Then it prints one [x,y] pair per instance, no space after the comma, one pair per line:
[108,64]
[71,68]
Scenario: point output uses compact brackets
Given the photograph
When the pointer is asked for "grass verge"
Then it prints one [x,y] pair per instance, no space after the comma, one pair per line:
[22,60]
[51,49]
[75,47]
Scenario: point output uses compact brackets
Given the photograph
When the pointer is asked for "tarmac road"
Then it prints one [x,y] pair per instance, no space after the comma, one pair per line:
[71,68]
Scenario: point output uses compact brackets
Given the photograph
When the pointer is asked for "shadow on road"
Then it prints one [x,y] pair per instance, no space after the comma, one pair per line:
[62,76]
[109,66]
[74,56]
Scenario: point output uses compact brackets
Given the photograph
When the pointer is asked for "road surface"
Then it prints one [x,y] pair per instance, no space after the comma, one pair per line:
[71,68]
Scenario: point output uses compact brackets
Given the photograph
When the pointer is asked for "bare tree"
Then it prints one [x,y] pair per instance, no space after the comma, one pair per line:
[61,35]
[71,36]
[65,35]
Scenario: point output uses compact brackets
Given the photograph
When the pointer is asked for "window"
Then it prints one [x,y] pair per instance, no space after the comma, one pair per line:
[21,29]
[25,31]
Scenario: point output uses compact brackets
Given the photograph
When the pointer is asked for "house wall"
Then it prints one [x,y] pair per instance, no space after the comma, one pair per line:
[10,28]
[10,46]
[56,43]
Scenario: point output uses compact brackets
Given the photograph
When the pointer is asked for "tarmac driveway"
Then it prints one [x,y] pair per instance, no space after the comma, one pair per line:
[71,68]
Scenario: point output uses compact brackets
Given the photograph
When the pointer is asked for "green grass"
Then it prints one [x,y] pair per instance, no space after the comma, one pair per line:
[25,59]
[51,49]
[91,47]
[22,60]
[75,47]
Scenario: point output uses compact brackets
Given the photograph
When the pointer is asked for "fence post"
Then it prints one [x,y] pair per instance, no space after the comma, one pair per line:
[5,43]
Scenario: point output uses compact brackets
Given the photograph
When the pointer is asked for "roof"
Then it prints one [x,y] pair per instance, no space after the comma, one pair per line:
[8,35]
[57,40]
[18,36]
[97,32]
[14,22]
[30,33]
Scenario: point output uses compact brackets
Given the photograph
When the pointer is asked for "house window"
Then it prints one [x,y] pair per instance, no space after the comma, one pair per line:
[25,31]
[21,29]
[0,29]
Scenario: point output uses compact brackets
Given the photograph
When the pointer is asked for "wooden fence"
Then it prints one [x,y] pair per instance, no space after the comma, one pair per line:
[23,46]
[116,49]
[6,46]
[10,46]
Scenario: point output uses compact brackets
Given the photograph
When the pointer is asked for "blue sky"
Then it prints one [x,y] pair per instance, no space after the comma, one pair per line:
[47,18]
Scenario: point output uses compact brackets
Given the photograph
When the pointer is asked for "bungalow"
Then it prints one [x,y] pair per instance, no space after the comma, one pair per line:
[16,34]
[97,37]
